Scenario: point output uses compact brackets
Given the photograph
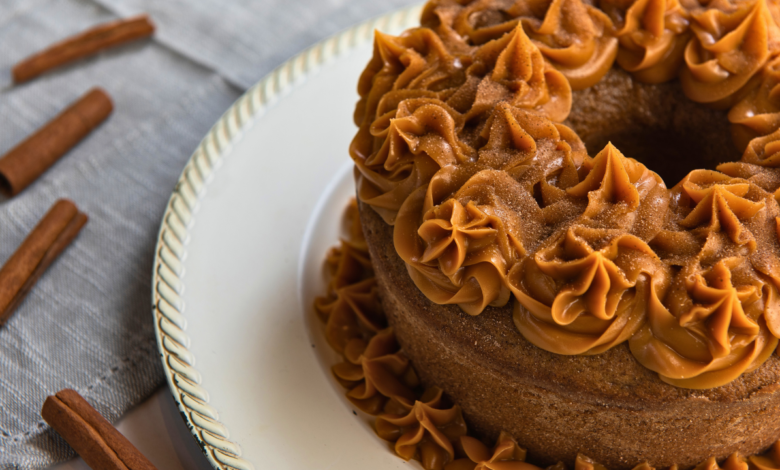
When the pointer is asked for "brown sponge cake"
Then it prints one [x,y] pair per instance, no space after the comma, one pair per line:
[564,236]
[605,406]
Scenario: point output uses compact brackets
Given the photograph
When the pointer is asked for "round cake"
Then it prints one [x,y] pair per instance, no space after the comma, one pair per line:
[572,213]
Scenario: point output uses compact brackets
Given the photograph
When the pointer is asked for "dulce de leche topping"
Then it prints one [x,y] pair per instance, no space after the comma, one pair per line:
[417,98]
[758,113]
[652,35]
[492,199]
[426,426]
[375,371]
[572,35]
[732,41]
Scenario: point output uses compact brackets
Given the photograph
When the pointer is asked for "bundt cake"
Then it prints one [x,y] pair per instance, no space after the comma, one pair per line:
[564,237]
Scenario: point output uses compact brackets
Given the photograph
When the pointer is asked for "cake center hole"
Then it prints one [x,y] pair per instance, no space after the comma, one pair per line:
[670,153]
[654,124]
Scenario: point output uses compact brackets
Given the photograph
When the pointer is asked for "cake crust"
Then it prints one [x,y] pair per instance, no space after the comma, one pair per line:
[558,242]
[606,406]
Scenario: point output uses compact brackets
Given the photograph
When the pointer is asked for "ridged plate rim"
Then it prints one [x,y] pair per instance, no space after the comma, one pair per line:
[168,309]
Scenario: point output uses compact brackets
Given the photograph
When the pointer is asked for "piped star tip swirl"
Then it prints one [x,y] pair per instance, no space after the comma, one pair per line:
[423,429]
[375,371]
[505,454]
[652,36]
[462,148]
[350,308]
[758,113]
[724,323]
[732,42]
[572,35]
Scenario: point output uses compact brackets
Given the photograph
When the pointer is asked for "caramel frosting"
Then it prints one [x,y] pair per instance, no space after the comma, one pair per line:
[505,455]
[612,234]
[591,299]
[412,113]
[423,429]
[758,113]
[722,331]
[375,371]
[583,462]
[711,325]
[768,461]
[732,42]
[719,337]
[733,462]
[583,291]
[455,256]
[461,147]
[572,35]
[350,308]
[764,151]
[652,36]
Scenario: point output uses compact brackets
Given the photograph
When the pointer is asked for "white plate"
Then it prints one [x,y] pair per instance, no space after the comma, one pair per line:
[251,219]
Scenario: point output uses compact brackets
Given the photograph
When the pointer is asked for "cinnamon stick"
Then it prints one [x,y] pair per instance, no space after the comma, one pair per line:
[90,434]
[36,253]
[24,163]
[83,44]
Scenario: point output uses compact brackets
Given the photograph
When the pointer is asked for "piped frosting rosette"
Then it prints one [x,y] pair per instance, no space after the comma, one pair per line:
[505,455]
[732,42]
[758,113]
[463,232]
[712,332]
[575,299]
[652,36]
[376,371]
[457,251]
[409,118]
[764,151]
[574,36]
[589,282]
[423,429]
[717,320]
[351,308]
[462,149]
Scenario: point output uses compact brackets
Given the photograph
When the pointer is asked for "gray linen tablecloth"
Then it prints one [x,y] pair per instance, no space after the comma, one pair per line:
[87,324]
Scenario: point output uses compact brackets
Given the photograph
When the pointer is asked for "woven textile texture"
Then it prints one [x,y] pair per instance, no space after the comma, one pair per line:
[87,324]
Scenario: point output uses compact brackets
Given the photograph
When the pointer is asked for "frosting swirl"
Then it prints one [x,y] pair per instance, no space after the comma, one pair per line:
[720,205]
[462,149]
[420,139]
[410,126]
[733,462]
[652,36]
[351,308]
[506,454]
[732,42]
[720,332]
[376,371]
[423,429]
[573,36]
[758,113]
[712,323]
[459,254]
[764,151]
[514,70]
[574,299]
